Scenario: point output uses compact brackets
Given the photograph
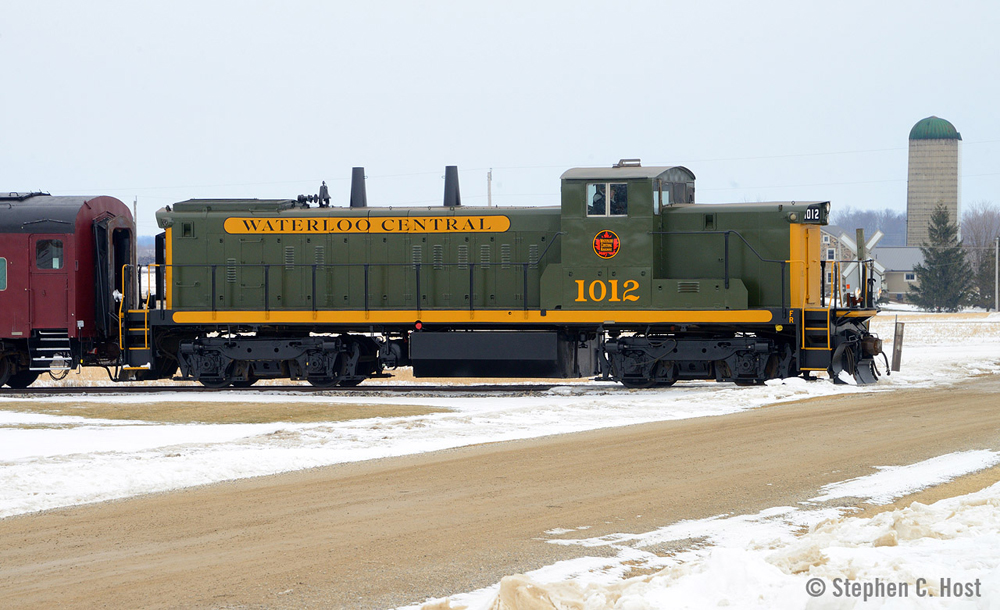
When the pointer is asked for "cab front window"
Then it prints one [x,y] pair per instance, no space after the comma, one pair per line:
[607,199]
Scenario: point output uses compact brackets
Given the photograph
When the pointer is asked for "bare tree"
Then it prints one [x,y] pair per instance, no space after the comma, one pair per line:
[889,221]
[980,228]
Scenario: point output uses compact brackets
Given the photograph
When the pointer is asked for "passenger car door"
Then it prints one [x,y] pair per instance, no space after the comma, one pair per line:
[48,282]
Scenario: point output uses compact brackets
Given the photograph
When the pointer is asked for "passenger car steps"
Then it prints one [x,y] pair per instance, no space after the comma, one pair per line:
[50,350]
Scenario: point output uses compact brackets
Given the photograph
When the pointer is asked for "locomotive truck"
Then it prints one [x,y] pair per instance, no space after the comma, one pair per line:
[628,279]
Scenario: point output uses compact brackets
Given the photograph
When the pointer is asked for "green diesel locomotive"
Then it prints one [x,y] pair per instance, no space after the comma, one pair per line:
[627,280]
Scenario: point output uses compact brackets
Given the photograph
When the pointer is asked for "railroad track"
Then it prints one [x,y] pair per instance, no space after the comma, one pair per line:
[303,389]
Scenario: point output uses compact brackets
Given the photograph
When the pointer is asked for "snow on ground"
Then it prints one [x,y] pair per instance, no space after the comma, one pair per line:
[763,561]
[896,481]
[48,461]
[740,561]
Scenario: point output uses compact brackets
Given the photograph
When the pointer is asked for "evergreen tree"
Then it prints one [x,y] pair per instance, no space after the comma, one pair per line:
[945,277]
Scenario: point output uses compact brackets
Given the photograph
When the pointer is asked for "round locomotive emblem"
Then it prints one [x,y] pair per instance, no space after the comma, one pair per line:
[606,244]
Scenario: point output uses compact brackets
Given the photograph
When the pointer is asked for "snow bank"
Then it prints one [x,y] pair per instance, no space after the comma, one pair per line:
[762,560]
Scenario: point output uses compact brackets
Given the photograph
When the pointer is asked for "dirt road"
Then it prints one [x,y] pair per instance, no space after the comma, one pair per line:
[395,531]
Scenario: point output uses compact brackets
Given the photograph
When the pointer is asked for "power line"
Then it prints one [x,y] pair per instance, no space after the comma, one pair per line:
[529,167]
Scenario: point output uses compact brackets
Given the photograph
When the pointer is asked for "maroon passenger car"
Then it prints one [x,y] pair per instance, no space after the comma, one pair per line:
[61,261]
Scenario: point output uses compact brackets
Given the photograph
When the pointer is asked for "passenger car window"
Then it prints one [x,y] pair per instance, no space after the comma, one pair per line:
[49,254]
[3,274]
[607,199]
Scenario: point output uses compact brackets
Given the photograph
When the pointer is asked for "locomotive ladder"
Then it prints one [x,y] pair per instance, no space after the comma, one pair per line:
[50,350]
[815,339]
[133,341]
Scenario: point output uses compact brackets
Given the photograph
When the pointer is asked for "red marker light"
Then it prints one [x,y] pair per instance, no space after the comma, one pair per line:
[418,325]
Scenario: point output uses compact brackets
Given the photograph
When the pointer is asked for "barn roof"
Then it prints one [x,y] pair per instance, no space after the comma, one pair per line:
[898,258]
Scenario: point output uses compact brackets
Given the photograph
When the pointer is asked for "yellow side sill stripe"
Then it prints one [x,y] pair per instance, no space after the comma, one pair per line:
[443,316]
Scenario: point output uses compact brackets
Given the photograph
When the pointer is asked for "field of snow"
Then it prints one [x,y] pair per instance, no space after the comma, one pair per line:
[64,456]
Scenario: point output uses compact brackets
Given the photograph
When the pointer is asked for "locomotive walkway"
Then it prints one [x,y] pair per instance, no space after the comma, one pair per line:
[394,531]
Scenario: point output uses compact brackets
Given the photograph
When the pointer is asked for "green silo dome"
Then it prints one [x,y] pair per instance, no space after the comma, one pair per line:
[933,128]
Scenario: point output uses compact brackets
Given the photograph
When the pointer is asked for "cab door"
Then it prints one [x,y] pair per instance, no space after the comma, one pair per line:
[48,282]
[607,259]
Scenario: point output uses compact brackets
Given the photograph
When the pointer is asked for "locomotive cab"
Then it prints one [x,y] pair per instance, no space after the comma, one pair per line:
[610,217]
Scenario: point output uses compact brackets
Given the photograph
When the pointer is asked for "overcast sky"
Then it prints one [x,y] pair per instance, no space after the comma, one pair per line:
[793,100]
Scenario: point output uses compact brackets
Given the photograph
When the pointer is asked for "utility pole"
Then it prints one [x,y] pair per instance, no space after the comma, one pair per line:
[862,288]
[135,215]
[996,277]
[489,188]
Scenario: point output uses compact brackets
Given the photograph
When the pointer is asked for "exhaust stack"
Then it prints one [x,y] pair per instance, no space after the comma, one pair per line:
[452,197]
[359,196]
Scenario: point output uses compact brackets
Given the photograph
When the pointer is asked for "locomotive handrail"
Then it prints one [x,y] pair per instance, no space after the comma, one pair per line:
[121,310]
[314,267]
[552,241]
[145,303]
[725,234]
[866,275]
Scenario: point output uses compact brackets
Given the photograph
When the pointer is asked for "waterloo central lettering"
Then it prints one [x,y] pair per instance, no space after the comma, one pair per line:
[375,224]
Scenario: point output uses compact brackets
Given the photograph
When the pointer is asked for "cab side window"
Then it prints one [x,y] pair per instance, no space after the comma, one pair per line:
[49,254]
[607,199]
[661,195]
[596,200]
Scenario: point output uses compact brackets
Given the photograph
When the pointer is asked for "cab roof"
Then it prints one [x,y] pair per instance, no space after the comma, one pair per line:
[630,172]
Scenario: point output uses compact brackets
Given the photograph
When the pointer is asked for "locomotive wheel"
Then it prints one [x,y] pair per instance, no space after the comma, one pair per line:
[223,381]
[216,383]
[638,383]
[22,379]
[350,383]
[323,382]
[666,369]
[328,382]
[6,368]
